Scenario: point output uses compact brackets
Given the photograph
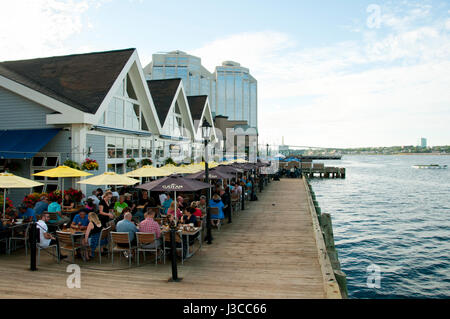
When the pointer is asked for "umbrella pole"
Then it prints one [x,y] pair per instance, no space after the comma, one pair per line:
[173,229]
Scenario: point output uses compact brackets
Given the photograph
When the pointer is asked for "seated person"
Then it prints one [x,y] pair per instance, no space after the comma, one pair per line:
[197,212]
[127,226]
[94,199]
[144,203]
[55,207]
[216,201]
[27,214]
[120,206]
[130,202]
[167,203]
[45,238]
[148,225]
[41,206]
[201,204]
[80,220]
[92,235]
[188,217]
[180,203]
[125,210]
[171,210]
[68,203]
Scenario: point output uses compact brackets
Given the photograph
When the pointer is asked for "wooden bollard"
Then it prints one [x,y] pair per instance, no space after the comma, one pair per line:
[341,279]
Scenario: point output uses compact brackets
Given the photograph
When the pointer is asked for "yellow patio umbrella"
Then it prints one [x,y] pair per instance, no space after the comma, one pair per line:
[148,171]
[109,178]
[226,163]
[240,160]
[62,171]
[8,180]
[185,169]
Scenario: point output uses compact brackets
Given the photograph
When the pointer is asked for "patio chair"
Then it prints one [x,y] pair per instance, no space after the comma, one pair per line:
[103,241]
[144,240]
[67,242]
[178,241]
[218,222]
[121,238]
[19,233]
[54,249]
[235,202]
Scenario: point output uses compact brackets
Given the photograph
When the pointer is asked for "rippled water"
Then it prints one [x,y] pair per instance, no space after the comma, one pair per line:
[394,216]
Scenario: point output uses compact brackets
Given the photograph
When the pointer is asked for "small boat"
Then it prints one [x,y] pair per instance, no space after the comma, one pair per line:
[431,166]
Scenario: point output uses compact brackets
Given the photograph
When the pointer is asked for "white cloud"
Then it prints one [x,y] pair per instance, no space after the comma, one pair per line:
[386,89]
[34,28]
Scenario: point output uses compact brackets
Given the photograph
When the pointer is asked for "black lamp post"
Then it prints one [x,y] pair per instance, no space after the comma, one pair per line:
[206,133]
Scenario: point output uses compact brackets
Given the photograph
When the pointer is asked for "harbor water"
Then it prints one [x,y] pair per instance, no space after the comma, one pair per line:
[391,225]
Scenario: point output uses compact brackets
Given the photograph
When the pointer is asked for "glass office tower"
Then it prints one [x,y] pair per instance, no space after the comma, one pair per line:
[232,91]
[236,93]
[177,64]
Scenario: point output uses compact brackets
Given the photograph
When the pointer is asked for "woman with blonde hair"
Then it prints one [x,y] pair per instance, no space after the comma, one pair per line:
[171,210]
[92,236]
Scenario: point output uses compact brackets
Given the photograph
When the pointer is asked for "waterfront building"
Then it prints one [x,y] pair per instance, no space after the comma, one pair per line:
[422,142]
[231,89]
[95,105]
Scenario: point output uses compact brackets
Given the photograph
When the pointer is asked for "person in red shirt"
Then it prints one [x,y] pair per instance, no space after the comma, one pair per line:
[198,212]
[148,225]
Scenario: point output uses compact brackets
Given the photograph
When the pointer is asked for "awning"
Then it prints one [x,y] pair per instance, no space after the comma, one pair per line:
[23,144]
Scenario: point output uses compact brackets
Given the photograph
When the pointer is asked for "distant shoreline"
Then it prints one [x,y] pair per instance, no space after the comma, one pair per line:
[422,154]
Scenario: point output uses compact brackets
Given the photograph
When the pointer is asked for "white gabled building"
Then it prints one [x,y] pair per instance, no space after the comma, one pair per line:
[95,105]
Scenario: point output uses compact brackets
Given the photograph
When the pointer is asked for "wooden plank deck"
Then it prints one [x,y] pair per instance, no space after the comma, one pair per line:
[269,251]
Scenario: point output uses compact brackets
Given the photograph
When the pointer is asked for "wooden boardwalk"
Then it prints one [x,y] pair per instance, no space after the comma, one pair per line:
[269,251]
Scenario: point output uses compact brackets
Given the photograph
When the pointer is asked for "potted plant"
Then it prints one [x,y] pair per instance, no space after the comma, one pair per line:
[169,161]
[75,195]
[146,161]
[72,164]
[131,163]
[31,199]
[89,164]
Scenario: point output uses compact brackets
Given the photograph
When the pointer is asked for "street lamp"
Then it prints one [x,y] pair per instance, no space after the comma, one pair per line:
[206,133]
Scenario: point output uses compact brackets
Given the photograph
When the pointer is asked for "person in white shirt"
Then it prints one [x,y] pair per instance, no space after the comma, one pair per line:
[45,238]
[94,198]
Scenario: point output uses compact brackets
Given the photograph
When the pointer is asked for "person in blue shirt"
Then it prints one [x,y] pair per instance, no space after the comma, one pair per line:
[27,214]
[167,203]
[55,207]
[216,201]
[127,226]
[81,219]
[41,206]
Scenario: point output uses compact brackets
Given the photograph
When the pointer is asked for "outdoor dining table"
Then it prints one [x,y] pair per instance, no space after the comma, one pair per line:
[196,232]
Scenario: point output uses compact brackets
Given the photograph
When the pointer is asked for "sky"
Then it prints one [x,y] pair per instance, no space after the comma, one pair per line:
[330,73]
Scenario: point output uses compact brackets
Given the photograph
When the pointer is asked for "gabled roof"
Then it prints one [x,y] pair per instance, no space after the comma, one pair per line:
[196,106]
[79,80]
[163,92]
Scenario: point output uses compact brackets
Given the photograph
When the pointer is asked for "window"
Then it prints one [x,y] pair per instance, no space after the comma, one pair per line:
[146,148]
[132,147]
[115,147]
[116,168]
[40,163]
[124,110]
